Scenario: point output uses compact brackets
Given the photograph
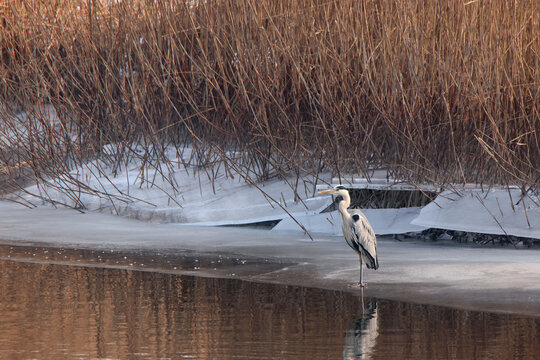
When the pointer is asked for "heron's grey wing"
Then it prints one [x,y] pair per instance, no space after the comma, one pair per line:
[366,238]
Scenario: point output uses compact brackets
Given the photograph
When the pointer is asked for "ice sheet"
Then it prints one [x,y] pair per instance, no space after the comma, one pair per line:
[485,278]
[495,211]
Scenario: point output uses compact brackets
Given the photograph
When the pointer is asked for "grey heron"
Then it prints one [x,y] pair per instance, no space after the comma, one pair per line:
[357,231]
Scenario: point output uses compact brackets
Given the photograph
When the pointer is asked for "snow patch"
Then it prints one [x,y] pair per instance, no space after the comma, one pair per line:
[184,194]
[176,193]
[495,211]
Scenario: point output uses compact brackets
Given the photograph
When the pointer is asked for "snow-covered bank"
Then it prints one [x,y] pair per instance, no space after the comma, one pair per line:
[181,193]
[176,193]
[186,195]
[494,211]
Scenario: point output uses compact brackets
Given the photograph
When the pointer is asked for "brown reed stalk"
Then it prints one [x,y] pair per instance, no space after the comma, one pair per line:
[445,91]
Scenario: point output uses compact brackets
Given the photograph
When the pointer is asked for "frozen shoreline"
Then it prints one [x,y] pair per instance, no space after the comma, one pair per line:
[477,278]
[180,193]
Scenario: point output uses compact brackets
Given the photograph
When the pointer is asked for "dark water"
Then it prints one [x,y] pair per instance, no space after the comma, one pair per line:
[74,312]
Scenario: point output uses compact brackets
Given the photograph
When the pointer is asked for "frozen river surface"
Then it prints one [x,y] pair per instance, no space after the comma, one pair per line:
[476,278]
[91,286]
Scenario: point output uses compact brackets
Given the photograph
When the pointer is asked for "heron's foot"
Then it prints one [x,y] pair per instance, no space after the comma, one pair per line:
[358,285]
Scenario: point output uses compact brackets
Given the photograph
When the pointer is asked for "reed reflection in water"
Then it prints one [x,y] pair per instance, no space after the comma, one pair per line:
[65,312]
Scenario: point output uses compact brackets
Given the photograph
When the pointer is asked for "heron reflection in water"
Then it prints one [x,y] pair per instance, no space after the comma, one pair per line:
[357,231]
[361,337]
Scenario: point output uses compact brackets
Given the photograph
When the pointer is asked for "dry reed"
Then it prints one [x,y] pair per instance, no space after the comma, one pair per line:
[434,91]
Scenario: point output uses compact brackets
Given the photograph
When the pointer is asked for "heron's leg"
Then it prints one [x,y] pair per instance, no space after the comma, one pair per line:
[361,283]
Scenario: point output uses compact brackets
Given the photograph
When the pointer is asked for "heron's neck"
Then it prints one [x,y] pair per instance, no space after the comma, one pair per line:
[344,205]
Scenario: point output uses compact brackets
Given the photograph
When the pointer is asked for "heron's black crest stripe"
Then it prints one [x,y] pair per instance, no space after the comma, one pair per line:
[340,187]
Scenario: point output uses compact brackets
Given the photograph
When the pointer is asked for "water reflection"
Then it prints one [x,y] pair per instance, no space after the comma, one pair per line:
[361,337]
[65,312]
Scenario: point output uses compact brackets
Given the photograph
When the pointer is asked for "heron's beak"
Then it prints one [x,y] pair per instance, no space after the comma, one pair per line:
[329,191]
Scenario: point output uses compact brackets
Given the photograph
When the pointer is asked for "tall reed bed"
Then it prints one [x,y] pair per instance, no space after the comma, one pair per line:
[438,91]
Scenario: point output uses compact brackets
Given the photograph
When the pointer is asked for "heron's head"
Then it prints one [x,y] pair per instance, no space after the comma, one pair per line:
[339,190]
